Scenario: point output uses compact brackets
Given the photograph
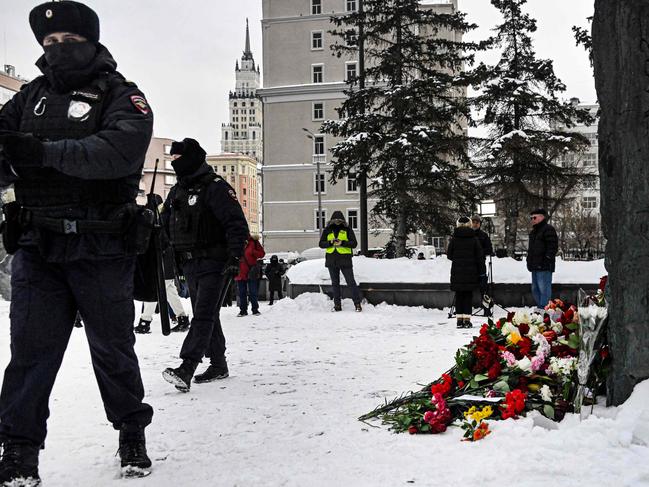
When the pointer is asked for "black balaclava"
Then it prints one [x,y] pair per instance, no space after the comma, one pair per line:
[192,157]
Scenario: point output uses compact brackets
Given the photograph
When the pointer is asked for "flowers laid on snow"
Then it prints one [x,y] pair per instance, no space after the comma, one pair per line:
[522,363]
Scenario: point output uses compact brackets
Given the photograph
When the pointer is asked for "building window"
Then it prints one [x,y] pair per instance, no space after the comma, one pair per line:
[170,179]
[244,191]
[320,183]
[316,40]
[225,168]
[589,202]
[320,220]
[351,71]
[351,38]
[352,183]
[167,150]
[226,136]
[235,103]
[318,111]
[350,5]
[319,145]
[245,203]
[352,219]
[168,165]
[439,243]
[590,159]
[232,168]
[243,104]
[254,135]
[317,73]
[316,7]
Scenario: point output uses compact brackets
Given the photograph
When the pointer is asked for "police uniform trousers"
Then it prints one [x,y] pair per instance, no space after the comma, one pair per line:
[205,337]
[45,298]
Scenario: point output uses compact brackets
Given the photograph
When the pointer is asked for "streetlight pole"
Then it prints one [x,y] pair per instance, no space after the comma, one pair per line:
[363,165]
[311,135]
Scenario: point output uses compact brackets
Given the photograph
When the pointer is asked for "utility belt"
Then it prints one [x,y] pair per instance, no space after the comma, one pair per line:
[218,253]
[136,226]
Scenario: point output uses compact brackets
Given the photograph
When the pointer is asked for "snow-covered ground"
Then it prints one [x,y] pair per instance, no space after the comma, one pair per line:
[300,376]
[506,270]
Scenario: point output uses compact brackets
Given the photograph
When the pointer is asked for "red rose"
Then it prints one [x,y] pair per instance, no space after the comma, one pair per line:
[460,384]
[524,328]
[510,316]
[494,371]
[602,283]
[413,430]
[550,335]
[604,353]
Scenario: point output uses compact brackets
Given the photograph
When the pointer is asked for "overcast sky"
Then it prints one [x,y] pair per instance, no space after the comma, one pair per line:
[181,53]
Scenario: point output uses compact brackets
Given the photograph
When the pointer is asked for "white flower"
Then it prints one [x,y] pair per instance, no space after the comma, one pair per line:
[521,317]
[525,364]
[507,329]
[546,394]
[556,327]
[602,312]
[534,330]
[562,367]
[542,342]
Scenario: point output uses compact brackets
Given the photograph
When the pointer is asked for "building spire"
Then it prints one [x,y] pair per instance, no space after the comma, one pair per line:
[247,54]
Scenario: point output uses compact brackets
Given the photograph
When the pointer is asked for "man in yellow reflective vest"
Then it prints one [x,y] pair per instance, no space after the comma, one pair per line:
[339,240]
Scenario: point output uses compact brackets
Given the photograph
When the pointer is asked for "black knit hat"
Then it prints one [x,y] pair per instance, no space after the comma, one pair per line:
[539,211]
[192,156]
[338,215]
[64,16]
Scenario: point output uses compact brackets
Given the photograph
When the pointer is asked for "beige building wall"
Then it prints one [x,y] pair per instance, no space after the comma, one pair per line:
[166,177]
[240,171]
[295,41]
[10,84]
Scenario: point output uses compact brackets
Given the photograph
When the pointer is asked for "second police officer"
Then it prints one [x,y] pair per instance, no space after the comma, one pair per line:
[208,231]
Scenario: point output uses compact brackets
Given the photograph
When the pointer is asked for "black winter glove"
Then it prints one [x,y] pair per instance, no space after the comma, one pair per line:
[231,268]
[21,150]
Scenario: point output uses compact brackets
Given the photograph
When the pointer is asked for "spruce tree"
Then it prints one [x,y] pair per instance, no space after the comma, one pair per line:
[407,128]
[521,161]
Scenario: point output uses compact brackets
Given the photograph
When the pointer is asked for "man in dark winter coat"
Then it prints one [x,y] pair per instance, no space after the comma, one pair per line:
[541,254]
[73,143]
[339,240]
[274,272]
[208,231]
[487,250]
[468,265]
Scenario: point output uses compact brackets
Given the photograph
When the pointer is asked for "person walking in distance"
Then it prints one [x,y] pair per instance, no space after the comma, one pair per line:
[467,265]
[208,230]
[73,143]
[339,240]
[274,272]
[541,254]
[248,277]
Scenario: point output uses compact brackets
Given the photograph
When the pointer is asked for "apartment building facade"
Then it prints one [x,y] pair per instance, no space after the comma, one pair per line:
[159,149]
[10,84]
[303,85]
[240,171]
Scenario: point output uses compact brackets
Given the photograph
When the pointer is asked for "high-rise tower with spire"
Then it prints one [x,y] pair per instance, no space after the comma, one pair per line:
[243,134]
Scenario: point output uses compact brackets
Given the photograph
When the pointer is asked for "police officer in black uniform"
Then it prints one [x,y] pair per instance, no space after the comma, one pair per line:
[73,144]
[208,231]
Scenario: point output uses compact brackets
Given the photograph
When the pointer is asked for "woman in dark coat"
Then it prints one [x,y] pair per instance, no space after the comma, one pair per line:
[467,257]
[274,272]
[339,240]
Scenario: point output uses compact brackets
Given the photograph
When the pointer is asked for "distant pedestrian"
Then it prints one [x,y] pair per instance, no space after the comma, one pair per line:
[274,272]
[541,254]
[249,274]
[421,256]
[339,240]
[487,249]
[465,253]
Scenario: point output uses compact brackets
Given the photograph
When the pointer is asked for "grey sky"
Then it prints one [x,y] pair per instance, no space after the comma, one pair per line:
[182,53]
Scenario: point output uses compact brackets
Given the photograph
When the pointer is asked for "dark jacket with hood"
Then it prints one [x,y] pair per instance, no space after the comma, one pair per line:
[274,272]
[228,229]
[336,259]
[542,248]
[95,127]
[467,257]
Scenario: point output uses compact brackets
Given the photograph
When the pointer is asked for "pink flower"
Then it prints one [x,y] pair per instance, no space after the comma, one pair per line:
[537,362]
[509,358]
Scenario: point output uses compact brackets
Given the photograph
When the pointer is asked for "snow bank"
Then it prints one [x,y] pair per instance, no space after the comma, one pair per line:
[438,270]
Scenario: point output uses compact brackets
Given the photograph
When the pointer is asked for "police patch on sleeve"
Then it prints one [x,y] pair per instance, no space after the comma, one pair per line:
[140,103]
[232,194]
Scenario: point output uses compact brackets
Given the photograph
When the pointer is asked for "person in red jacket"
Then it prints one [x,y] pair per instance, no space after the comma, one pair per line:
[249,274]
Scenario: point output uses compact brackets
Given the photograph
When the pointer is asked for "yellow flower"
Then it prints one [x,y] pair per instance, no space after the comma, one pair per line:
[514,337]
[470,412]
[533,387]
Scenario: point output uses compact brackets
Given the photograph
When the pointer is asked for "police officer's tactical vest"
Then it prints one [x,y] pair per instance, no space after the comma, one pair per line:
[341,249]
[192,225]
[52,116]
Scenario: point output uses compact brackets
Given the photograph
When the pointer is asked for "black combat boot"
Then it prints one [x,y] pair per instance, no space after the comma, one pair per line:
[359,308]
[19,465]
[467,323]
[143,327]
[338,307]
[132,450]
[183,324]
[217,369]
[460,321]
[181,377]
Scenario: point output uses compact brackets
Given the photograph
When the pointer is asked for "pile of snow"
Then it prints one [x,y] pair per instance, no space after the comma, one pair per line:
[506,270]
[299,377]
